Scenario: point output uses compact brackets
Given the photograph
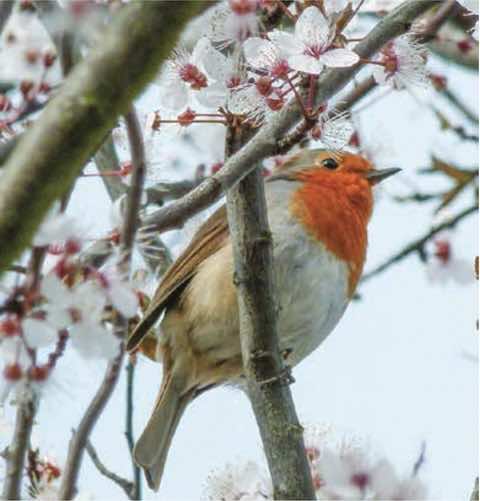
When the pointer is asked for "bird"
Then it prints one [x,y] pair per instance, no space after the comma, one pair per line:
[319,204]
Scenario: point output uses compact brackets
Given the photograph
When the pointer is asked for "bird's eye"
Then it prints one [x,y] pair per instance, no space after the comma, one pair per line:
[330,163]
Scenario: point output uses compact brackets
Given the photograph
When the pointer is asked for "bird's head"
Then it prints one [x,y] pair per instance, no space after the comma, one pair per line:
[334,200]
[319,166]
[334,178]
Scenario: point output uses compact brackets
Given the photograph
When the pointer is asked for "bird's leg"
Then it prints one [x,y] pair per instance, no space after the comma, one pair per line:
[285,374]
[284,377]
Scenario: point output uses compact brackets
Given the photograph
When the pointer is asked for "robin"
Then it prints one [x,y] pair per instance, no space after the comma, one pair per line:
[319,204]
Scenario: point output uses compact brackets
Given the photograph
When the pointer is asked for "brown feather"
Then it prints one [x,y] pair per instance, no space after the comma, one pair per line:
[209,238]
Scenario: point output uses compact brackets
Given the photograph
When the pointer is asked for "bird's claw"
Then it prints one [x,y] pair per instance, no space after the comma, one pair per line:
[284,377]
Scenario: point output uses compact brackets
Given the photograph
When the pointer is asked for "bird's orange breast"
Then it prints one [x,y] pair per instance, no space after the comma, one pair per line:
[335,209]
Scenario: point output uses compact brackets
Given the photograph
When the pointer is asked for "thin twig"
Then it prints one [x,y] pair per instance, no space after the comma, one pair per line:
[420,461]
[455,101]
[78,442]
[131,222]
[123,483]
[137,476]
[418,245]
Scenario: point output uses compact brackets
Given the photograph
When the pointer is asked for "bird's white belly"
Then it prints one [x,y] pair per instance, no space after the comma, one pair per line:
[311,285]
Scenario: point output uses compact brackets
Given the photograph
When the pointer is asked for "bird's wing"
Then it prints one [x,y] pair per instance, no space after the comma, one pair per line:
[209,238]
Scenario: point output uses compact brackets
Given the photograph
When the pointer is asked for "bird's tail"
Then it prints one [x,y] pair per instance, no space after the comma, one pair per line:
[152,447]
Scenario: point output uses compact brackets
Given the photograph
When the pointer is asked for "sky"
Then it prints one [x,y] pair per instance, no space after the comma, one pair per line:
[400,368]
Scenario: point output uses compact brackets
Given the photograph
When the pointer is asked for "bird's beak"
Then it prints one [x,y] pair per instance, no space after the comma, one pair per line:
[376,176]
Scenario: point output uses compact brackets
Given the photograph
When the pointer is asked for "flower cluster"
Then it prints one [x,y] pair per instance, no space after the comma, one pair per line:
[402,64]
[443,265]
[237,71]
[341,468]
[70,302]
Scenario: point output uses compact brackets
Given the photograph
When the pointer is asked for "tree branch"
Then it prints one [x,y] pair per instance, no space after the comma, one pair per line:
[267,377]
[137,474]
[78,442]
[418,245]
[16,453]
[123,483]
[265,143]
[475,496]
[50,154]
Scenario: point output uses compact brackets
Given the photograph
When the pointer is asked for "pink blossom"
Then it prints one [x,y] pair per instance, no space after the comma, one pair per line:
[403,64]
[310,49]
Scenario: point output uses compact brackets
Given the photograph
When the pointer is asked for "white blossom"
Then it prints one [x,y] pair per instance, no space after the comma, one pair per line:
[309,48]
[120,294]
[265,55]
[333,131]
[443,265]
[183,77]
[233,22]
[23,44]
[403,64]
[245,482]
[80,310]
[342,467]
[222,76]
[56,227]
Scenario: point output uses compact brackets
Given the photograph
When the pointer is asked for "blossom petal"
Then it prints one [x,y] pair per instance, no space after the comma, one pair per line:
[174,95]
[38,333]
[123,299]
[286,43]
[216,65]
[259,53]
[334,6]
[312,28]
[339,58]
[305,63]
[213,96]
[55,291]
[93,341]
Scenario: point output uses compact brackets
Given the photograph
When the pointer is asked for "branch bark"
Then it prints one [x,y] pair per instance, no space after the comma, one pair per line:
[265,143]
[16,452]
[267,379]
[50,154]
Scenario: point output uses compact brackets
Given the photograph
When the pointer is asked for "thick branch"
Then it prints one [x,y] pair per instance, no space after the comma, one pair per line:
[50,154]
[16,452]
[265,143]
[418,245]
[267,379]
